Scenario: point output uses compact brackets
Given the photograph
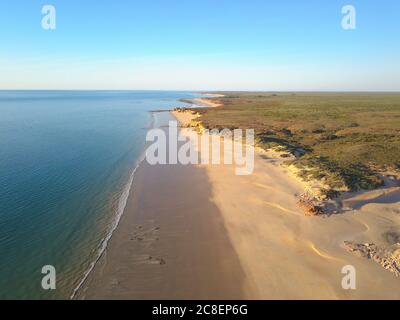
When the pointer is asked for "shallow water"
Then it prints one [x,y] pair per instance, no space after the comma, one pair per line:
[66,164]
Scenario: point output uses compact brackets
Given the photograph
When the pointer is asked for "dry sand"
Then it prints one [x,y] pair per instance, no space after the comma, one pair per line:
[202,232]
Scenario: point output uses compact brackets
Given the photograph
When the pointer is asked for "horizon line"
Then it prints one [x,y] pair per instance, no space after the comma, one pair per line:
[210,91]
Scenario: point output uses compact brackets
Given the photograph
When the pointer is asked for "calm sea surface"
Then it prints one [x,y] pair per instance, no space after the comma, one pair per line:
[66,165]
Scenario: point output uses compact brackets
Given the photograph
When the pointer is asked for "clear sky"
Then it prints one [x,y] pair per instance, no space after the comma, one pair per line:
[200,45]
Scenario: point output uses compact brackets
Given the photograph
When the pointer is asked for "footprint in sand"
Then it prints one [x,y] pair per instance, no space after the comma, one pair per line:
[159,261]
[114,282]
[148,259]
[140,234]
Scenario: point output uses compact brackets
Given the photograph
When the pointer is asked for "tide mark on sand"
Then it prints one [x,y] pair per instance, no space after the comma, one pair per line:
[365,225]
[263,186]
[277,206]
[321,254]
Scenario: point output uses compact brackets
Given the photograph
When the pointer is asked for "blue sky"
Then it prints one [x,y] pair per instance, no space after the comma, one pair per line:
[200,45]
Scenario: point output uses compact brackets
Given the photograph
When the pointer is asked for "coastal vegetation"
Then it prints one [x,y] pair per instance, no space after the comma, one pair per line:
[348,141]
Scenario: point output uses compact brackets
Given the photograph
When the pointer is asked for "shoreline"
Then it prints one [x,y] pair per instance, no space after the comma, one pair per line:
[127,190]
[167,247]
[208,102]
[104,243]
[203,102]
[201,232]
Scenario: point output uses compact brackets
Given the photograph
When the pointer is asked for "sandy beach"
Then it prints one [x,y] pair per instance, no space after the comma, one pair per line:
[171,242]
[202,232]
[206,102]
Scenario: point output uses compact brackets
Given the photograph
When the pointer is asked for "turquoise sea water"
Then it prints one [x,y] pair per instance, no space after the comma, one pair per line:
[66,164]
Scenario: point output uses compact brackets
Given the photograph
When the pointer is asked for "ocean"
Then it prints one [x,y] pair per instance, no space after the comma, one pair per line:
[67,161]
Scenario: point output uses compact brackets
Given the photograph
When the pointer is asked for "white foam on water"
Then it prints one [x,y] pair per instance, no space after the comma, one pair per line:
[119,212]
[104,242]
